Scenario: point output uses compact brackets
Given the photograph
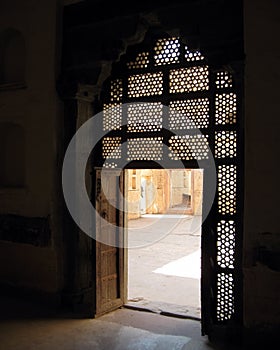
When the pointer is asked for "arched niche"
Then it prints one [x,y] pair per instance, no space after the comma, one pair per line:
[12,57]
[12,155]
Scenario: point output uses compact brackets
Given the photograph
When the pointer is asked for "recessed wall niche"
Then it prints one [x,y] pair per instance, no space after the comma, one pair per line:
[12,57]
[12,155]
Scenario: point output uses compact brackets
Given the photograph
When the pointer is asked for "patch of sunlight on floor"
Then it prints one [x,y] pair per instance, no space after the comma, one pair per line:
[188,266]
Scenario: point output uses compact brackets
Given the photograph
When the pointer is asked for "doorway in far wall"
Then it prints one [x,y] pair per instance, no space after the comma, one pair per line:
[164,238]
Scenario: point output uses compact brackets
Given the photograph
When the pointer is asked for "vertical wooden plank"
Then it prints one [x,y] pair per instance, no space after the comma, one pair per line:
[109,251]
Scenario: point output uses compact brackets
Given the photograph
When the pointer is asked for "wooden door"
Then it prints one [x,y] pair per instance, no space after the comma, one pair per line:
[110,251]
[208,265]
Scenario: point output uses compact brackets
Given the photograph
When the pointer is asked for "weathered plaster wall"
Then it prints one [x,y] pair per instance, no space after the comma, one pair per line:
[35,108]
[180,184]
[262,153]
[197,191]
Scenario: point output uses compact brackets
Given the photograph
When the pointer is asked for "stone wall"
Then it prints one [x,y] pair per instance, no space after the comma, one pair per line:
[165,190]
[262,152]
[29,212]
[197,191]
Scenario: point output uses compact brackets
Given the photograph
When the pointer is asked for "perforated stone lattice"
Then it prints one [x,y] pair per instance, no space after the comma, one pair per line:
[189,114]
[110,165]
[225,144]
[188,147]
[167,51]
[227,189]
[225,108]
[150,148]
[145,84]
[143,117]
[188,79]
[189,109]
[111,147]
[116,90]
[224,80]
[112,116]
[193,55]
[226,243]
[225,297]
[141,61]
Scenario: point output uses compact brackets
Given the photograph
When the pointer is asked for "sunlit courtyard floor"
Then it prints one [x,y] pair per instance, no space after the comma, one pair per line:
[164,263]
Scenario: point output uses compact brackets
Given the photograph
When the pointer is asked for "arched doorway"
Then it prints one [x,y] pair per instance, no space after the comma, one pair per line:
[165,106]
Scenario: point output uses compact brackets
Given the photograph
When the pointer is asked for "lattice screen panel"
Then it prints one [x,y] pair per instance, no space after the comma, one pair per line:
[225,297]
[145,148]
[224,80]
[225,144]
[227,189]
[112,116]
[172,74]
[110,165]
[189,79]
[188,147]
[141,61]
[167,51]
[143,117]
[193,55]
[111,147]
[116,90]
[189,114]
[226,108]
[226,243]
[148,84]
[226,148]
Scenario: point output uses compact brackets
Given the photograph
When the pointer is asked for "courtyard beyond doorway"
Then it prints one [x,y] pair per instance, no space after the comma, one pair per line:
[164,277]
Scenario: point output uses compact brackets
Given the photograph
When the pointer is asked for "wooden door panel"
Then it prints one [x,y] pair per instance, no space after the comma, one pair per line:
[109,261]
[109,253]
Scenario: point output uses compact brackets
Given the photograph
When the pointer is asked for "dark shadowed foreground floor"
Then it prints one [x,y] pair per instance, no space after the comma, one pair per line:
[27,326]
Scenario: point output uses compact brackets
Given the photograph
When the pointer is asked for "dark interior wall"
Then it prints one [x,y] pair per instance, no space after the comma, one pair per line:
[29,151]
[262,153]
[96,34]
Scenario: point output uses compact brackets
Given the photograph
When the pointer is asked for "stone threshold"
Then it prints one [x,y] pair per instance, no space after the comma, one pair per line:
[166,309]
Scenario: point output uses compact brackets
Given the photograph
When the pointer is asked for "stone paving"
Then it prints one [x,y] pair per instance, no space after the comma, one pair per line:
[27,326]
[164,264]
